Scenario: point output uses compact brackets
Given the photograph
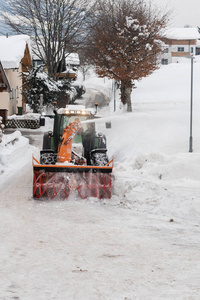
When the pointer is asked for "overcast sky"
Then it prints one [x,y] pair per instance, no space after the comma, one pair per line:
[184,12]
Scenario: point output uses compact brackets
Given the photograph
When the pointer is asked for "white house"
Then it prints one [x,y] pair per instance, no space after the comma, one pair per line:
[14,57]
[180,42]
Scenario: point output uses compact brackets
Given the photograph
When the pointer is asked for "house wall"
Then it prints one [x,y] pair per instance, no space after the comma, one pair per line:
[11,101]
[166,57]
[174,50]
[5,103]
[189,48]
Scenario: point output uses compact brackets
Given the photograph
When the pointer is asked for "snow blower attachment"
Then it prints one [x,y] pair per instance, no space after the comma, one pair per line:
[74,158]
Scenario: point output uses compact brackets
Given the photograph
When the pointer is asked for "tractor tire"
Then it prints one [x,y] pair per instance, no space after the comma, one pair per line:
[47,157]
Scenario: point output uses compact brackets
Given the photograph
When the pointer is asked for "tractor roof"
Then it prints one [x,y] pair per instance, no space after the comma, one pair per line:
[76,109]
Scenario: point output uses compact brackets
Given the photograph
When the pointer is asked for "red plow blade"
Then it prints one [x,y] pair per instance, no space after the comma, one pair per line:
[52,181]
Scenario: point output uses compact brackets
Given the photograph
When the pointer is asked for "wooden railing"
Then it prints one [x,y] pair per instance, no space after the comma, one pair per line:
[179,53]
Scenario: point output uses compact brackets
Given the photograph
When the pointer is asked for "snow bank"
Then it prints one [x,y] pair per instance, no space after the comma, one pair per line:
[161,184]
[10,139]
[15,153]
[29,116]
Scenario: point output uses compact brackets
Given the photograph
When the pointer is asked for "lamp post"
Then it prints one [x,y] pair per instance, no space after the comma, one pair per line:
[114,93]
[41,103]
[191,106]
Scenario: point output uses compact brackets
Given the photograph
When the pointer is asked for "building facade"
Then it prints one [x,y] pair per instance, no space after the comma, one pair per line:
[15,57]
[180,42]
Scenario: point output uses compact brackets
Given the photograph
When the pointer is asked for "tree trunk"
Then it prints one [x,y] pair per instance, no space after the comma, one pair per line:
[126,89]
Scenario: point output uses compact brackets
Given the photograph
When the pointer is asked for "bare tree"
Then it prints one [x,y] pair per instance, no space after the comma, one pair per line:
[85,64]
[56,27]
[126,41]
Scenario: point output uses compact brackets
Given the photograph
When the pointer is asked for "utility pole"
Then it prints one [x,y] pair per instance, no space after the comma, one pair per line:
[191,106]
[114,93]
[41,103]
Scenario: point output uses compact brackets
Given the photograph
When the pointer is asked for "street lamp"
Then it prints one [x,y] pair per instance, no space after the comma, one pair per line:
[191,105]
[114,92]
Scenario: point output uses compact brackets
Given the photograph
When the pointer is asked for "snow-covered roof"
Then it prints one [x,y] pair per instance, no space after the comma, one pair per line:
[72,59]
[12,50]
[182,33]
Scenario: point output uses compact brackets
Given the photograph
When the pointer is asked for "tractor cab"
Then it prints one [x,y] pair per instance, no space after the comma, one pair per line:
[70,114]
[75,113]
[86,142]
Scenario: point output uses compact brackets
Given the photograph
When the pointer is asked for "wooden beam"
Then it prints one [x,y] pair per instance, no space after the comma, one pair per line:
[4,83]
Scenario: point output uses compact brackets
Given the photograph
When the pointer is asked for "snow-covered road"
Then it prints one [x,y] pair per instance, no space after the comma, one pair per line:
[143,243]
[90,250]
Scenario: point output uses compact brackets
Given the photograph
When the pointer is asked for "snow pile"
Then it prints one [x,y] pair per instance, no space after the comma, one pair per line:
[10,138]
[28,116]
[161,184]
[15,153]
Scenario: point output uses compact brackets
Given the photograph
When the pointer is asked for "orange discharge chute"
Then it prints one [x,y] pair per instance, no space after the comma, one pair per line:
[65,148]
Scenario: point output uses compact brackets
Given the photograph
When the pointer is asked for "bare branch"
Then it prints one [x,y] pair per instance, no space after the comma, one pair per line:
[56,26]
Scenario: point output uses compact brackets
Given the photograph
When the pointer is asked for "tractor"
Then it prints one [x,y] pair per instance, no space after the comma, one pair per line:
[74,157]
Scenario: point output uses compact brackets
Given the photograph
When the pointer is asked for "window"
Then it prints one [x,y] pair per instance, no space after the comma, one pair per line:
[17,91]
[37,63]
[166,50]
[164,61]
[191,50]
[181,49]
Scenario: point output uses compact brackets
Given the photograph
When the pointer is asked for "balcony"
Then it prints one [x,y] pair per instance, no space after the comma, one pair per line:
[180,53]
